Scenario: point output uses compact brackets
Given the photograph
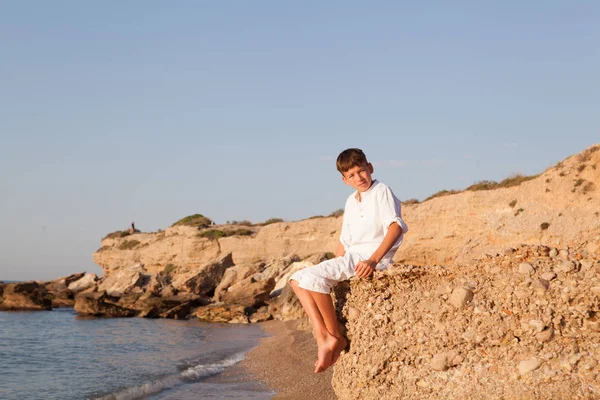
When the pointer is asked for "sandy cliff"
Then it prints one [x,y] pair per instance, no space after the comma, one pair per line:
[446,230]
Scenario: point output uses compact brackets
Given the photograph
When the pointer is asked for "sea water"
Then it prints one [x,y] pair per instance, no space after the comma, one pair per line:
[57,355]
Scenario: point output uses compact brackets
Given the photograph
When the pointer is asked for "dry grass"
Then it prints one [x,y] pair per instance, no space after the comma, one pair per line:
[411,201]
[129,244]
[589,187]
[586,155]
[337,213]
[516,180]
[511,181]
[116,235]
[442,193]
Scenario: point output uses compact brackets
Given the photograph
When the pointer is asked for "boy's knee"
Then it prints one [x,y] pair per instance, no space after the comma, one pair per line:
[293,283]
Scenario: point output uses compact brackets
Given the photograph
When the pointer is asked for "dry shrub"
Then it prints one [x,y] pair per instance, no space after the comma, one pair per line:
[442,193]
[129,244]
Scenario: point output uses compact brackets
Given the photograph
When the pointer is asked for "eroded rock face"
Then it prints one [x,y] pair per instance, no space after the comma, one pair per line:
[286,305]
[204,280]
[123,281]
[59,292]
[234,275]
[249,292]
[146,305]
[86,282]
[484,330]
[101,304]
[25,296]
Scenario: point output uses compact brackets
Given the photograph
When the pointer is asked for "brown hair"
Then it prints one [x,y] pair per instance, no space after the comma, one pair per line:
[350,158]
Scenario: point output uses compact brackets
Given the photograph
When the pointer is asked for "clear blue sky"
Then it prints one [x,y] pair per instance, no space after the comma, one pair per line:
[146,111]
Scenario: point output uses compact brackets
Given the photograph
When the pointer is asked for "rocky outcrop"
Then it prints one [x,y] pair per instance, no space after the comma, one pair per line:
[236,274]
[558,208]
[147,305]
[26,296]
[86,282]
[203,280]
[250,292]
[183,249]
[490,329]
[123,281]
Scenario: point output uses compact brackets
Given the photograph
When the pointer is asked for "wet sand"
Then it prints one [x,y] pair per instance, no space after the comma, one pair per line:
[284,362]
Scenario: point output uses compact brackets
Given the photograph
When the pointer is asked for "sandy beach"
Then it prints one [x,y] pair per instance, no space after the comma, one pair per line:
[284,362]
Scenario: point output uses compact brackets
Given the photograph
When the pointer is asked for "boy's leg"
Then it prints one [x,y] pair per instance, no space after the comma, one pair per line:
[325,306]
[327,342]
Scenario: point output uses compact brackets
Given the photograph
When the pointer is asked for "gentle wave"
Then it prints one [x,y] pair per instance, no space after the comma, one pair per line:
[191,374]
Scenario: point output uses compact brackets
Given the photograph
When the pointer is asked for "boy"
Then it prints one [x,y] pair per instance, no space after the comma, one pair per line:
[372,231]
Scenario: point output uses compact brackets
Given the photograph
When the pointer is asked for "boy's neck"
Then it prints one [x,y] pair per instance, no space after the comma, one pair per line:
[358,192]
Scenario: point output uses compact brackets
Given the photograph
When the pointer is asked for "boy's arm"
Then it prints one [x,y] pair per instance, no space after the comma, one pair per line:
[340,251]
[366,267]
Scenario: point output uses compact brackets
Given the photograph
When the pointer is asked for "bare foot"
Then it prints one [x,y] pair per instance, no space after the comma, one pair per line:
[326,347]
[341,346]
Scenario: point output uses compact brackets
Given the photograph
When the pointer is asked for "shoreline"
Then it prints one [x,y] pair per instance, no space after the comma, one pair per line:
[284,362]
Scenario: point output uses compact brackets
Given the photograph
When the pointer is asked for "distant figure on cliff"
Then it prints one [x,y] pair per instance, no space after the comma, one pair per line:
[372,231]
[132,229]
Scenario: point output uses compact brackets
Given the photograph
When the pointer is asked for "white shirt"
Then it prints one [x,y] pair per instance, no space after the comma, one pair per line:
[366,222]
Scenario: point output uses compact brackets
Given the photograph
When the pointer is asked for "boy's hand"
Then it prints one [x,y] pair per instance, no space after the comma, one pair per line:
[365,268]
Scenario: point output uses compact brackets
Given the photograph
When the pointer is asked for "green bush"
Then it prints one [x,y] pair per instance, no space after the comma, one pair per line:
[129,244]
[240,232]
[243,222]
[214,234]
[272,221]
[197,220]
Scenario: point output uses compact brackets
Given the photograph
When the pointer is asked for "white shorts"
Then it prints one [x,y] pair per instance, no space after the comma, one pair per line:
[321,278]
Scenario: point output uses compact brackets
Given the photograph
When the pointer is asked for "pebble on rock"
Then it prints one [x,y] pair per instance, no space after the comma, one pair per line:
[541,285]
[526,268]
[460,297]
[548,276]
[544,336]
[439,362]
[528,366]
[537,325]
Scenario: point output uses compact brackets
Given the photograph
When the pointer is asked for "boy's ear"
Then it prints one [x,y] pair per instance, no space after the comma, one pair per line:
[344,179]
[370,166]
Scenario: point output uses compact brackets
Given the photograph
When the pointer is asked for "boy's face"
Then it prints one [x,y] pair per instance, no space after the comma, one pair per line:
[359,177]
